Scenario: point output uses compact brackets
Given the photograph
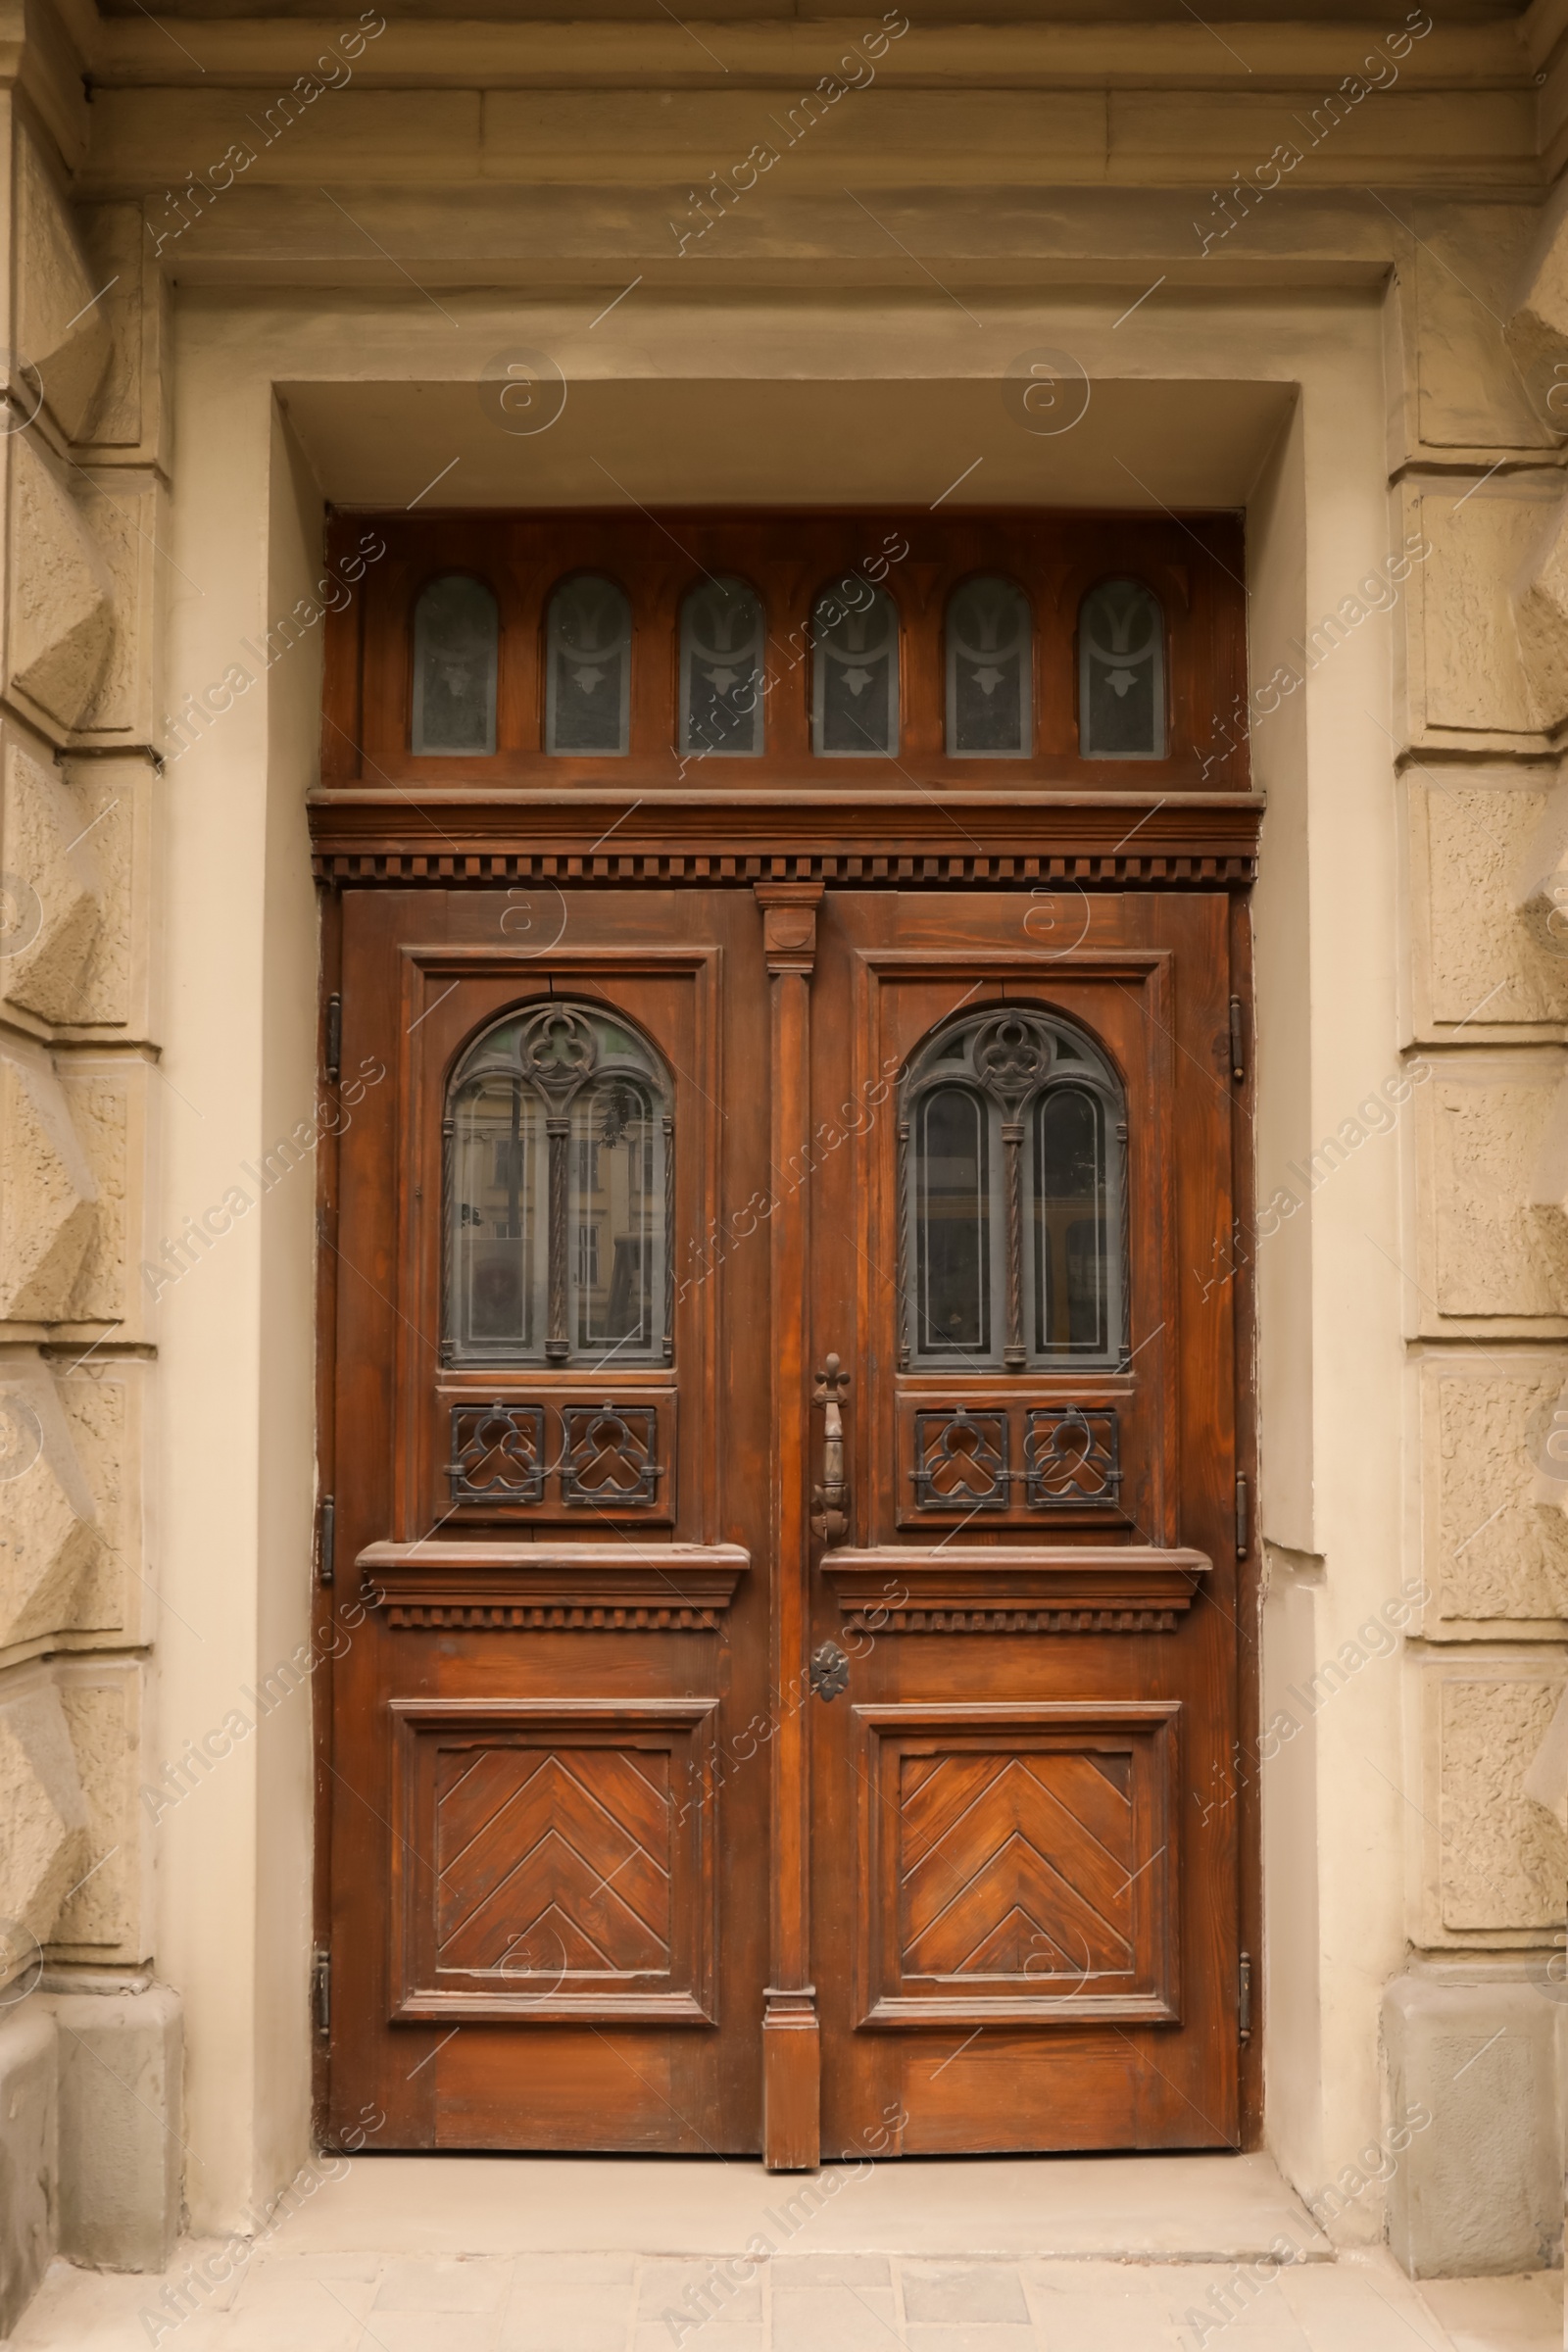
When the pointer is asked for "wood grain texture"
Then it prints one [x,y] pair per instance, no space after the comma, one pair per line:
[1192,563]
[791,2139]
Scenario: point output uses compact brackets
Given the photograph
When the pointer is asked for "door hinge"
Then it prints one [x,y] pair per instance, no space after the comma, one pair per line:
[334,1035]
[325,1539]
[321,1988]
[1243,2000]
[1238,1042]
[1243,1531]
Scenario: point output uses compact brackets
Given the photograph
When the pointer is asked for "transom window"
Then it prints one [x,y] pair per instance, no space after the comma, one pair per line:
[559,1165]
[732,652]
[1012,1143]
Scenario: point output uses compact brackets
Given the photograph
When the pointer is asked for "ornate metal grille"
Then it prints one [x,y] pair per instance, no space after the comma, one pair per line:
[498,1453]
[960,1462]
[1072,1456]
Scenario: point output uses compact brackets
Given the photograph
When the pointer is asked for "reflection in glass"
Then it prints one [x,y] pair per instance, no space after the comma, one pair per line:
[456,641]
[854,670]
[588,669]
[721,633]
[558,1190]
[1071,1286]
[1121,673]
[497,1178]
[610,1214]
[989,661]
[952,1190]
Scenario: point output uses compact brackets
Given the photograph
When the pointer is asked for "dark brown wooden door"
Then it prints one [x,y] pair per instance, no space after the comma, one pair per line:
[1026,1931]
[548,1922]
[690,1789]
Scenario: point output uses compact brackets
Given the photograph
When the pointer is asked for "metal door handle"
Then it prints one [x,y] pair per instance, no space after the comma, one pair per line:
[830,1500]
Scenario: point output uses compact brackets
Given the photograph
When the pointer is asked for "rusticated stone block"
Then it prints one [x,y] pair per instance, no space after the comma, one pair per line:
[43,1814]
[106,1917]
[126,413]
[70,851]
[120,512]
[1541,609]
[1497,1530]
[1490,947]
[107,1094]
[1503,1857]
[61,330]
[50,1540]
[1478,680]
[48,1191]
[60,620]
[104,1401]
[1475,391]
[1494,1160]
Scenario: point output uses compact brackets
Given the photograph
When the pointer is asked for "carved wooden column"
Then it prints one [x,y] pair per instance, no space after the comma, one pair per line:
[791,2099]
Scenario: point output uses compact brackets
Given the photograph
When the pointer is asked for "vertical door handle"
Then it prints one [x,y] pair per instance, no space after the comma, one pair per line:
[830,1501]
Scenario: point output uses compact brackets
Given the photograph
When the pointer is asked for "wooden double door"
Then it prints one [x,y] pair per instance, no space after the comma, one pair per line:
[785,1522]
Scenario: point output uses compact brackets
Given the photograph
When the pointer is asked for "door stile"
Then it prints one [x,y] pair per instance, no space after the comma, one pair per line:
[791,2058]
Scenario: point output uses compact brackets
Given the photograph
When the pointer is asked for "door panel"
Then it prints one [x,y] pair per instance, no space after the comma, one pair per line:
[1035,1589]
[548,1931]
[702,1781]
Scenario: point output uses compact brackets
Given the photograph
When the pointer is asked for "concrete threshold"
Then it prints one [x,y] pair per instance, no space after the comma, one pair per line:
[1158,2209]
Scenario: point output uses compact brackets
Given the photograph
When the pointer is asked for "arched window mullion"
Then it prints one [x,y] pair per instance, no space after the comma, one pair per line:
[515,1219]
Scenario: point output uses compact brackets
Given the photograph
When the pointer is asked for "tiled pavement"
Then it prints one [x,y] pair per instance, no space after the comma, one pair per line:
[825,2301]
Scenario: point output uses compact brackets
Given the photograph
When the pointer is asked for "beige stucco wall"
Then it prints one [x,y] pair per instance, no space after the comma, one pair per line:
[1346,368]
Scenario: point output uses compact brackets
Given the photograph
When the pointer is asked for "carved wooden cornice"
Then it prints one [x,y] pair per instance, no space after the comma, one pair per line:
[1181,840]
[1056,1588]
[584,1587]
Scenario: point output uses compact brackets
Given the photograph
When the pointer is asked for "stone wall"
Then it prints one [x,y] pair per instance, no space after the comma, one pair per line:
[1478,465]
[85,473]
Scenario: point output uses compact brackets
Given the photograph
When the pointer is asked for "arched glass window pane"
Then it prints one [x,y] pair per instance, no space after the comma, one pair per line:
[1012,1147]
[721,639]
[989,658]
[612,1219]
[497,1182]
[1072,1277]
[1121,673]
[457,634]
[854,670]
[559,1142]
[588,669]
[953,1222]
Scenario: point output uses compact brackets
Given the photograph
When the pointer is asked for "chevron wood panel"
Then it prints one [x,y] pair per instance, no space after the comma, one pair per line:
[552,1861]
[1014,1863]
[555,1859]
[1021,1866]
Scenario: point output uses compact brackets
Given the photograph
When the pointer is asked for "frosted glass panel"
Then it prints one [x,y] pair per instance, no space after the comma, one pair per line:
[497,1186]
[1121,673]
[588,669]
[456,637]
[953,1223]
[611,1218]
[854,681]
[1072,1278]
[721,637]
[990,658]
